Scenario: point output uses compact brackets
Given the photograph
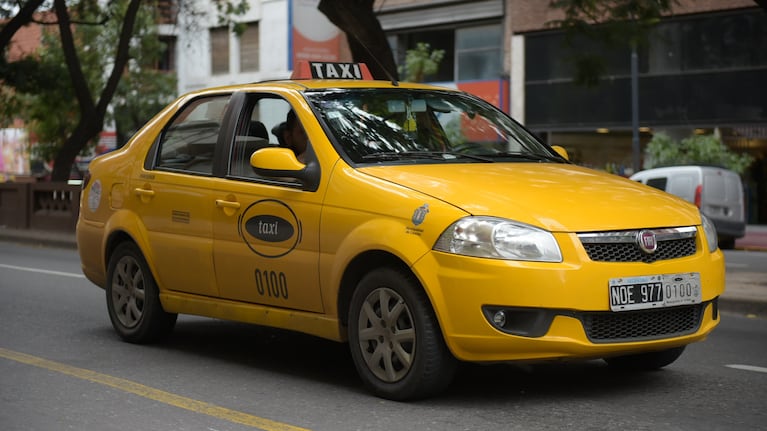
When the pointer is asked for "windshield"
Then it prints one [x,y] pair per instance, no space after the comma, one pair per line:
[405,125]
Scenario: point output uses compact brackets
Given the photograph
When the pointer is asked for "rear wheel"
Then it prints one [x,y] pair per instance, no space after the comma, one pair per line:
[395,340]
[133,299]
[646,361]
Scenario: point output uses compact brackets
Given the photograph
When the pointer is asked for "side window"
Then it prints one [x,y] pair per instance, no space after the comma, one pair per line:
[189,141]
[658,183]
[263,124]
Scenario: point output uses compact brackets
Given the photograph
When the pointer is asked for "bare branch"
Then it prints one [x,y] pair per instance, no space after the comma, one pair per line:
[26,12]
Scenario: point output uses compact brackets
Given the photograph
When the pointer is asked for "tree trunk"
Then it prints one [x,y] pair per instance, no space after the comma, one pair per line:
[366,37]
[92,114]
[75,143]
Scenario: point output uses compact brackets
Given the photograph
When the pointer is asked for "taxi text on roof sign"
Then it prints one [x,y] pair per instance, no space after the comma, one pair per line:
[324,70]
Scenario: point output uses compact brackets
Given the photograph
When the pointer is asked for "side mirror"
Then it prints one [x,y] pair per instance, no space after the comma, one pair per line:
[282,162]
[561,151]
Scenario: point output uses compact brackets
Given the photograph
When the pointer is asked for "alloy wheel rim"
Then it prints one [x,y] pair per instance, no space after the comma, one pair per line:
[128,293]
[387,335]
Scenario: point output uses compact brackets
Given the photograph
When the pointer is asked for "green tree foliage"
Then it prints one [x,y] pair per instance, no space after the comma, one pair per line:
[44,92]
[610,24]
[421,62]
[48,104]
[91,95]
[695,150]
[144,90]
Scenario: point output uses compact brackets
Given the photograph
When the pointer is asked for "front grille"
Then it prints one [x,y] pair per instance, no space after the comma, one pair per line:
[625,252]
[623,246]
[613,327]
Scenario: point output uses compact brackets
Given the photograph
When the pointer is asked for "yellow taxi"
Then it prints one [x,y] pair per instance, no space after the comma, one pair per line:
[420,225]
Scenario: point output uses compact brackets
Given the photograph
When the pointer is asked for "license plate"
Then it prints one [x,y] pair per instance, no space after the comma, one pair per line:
[654,291]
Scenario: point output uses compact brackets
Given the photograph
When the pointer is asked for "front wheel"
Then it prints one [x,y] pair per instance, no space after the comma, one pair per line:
[646,361]
[394,337]
[133,299]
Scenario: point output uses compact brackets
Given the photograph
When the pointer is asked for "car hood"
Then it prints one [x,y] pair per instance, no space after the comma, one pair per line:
[556,197]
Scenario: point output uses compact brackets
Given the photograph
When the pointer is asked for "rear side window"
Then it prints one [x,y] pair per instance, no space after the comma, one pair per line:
[189,141]
[658,183]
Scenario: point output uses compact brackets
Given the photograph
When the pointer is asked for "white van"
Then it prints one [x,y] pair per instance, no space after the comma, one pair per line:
[718,192]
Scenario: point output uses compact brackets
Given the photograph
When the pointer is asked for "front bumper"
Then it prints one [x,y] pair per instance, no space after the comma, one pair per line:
[561,310]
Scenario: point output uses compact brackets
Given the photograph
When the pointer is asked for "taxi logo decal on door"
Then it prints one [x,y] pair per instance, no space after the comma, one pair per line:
[270,228]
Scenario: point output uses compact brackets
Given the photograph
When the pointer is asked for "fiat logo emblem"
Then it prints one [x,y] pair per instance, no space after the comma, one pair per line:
[646,241]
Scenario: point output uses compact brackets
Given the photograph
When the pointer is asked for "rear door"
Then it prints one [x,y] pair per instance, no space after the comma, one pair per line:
[683,184]
[722,195]
[175,197]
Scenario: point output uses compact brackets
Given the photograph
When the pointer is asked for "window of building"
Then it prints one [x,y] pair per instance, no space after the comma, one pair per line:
[728,41]
[167,61]
[249,48]
[478,52]
[219,50]
[471,53]
[437,39]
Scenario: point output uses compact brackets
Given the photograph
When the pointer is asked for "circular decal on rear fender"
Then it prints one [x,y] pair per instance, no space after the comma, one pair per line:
[270,228]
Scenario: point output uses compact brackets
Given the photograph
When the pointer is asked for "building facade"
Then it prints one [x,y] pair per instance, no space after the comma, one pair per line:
[704,71]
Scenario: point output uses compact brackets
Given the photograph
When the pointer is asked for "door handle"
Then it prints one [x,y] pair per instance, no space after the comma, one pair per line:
[228,206]
[221,203]
[144,194]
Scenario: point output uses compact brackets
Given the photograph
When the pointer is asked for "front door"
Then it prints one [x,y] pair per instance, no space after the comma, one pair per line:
[266,230]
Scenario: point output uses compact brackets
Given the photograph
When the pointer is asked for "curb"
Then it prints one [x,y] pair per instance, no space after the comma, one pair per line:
[748,307]
[750,248]
[50,239]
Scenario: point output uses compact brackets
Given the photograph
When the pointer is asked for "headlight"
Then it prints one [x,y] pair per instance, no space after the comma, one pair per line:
[499,239]
[710,230]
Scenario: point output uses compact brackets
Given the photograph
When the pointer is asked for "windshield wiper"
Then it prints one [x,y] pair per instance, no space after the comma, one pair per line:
[433,155]
[531,156]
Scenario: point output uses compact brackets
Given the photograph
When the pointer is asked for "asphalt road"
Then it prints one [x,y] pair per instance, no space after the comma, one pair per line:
[62,367]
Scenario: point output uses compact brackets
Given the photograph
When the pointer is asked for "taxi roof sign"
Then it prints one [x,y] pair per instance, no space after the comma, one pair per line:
[326,70]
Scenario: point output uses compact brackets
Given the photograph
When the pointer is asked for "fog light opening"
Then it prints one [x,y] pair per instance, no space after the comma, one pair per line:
[499,318]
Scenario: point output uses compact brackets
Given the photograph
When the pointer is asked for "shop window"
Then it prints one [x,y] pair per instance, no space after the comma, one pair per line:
[471,53]
[478,52]
[437,39]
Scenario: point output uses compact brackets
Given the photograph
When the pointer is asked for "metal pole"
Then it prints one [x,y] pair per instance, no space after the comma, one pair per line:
[636,154]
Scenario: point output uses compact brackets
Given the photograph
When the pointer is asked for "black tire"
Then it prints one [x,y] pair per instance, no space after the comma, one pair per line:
[646,361]
[133,299]
[394,337]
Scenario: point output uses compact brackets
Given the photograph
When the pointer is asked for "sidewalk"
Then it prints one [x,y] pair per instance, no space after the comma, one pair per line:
[745,292]
[755,239]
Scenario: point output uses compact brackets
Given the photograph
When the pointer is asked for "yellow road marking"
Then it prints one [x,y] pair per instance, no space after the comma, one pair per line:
[151,393]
